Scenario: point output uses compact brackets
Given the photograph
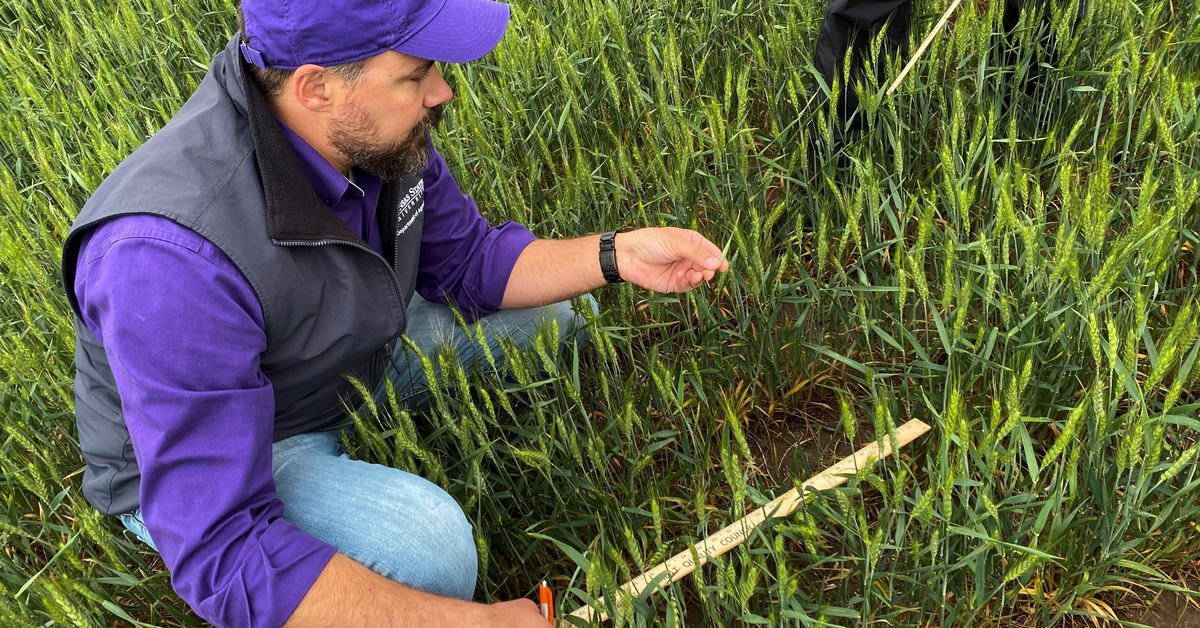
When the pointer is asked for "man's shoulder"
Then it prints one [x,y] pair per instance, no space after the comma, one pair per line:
[145,230]
[158,260]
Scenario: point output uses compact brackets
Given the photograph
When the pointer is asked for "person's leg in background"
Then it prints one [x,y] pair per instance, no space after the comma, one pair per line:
[848,27]
[1045,53]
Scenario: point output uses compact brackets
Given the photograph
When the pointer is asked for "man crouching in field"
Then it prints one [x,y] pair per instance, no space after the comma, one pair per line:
[266,242]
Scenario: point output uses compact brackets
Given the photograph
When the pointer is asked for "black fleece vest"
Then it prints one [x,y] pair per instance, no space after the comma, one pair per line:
[222,168]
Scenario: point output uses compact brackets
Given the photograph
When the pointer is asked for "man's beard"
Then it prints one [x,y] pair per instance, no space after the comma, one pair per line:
[354,137]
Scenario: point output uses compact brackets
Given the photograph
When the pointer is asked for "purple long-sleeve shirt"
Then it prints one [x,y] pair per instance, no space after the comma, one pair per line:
[183,332]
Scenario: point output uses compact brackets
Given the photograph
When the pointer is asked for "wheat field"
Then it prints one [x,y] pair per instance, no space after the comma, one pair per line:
[1008,252]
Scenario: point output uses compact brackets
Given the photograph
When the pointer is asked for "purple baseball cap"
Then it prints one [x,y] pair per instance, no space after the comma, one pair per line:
[287,34]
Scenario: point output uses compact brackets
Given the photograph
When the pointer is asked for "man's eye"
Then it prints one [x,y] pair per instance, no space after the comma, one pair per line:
[421,73]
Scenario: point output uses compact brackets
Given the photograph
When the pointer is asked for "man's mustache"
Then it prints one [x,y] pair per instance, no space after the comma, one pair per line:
[434,117]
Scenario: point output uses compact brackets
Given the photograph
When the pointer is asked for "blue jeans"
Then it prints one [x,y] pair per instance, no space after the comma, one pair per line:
[400,525]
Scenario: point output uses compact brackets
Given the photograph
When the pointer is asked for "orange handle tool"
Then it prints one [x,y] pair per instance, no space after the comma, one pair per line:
[546,602]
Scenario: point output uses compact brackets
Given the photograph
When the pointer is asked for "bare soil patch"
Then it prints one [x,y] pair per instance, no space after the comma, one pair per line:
[1168,610]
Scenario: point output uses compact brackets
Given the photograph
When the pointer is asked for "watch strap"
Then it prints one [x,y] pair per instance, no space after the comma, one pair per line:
[608,257]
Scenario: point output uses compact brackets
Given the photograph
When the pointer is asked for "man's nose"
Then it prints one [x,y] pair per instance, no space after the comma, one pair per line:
[441,92]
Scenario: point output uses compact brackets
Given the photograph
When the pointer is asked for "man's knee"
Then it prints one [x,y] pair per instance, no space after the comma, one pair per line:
[453,547]
[433,551]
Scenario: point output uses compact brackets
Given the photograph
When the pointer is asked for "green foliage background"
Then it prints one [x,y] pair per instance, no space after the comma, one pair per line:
[1012,261]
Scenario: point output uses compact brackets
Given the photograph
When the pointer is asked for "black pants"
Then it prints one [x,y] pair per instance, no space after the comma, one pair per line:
[849,26]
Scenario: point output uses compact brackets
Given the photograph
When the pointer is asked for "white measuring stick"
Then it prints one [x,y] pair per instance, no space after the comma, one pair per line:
[735,533]
[924,44]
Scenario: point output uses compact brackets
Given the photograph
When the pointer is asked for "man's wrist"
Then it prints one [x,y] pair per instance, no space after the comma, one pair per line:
[608,257]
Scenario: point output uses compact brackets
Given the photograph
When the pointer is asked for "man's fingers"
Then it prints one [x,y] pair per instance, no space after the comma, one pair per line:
[691,258]
[701,252]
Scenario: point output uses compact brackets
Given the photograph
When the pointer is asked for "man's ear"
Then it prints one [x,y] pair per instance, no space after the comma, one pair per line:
[313,87]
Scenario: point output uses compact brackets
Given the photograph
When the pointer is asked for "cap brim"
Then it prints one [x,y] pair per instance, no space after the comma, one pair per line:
[464,30]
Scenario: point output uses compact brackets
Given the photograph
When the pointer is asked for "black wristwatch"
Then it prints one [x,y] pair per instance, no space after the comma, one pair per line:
[608,257]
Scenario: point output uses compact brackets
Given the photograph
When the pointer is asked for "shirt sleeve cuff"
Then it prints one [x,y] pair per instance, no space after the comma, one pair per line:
[277,571]
[312,561]
[509,241]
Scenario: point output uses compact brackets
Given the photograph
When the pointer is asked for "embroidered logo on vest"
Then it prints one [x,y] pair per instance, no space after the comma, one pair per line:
[411,206]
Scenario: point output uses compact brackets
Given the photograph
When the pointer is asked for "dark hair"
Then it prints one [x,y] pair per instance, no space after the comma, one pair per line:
[270,80]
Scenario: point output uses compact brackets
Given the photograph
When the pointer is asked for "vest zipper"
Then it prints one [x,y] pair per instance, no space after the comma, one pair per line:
[395,282]
[390,346]
[391,270]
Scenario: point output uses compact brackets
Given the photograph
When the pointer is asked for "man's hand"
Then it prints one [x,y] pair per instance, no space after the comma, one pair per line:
[664,259]
[667,259]
[516,613]
[348,594]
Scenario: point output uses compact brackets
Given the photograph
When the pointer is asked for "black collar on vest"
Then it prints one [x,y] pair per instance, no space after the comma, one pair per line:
[293,210]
